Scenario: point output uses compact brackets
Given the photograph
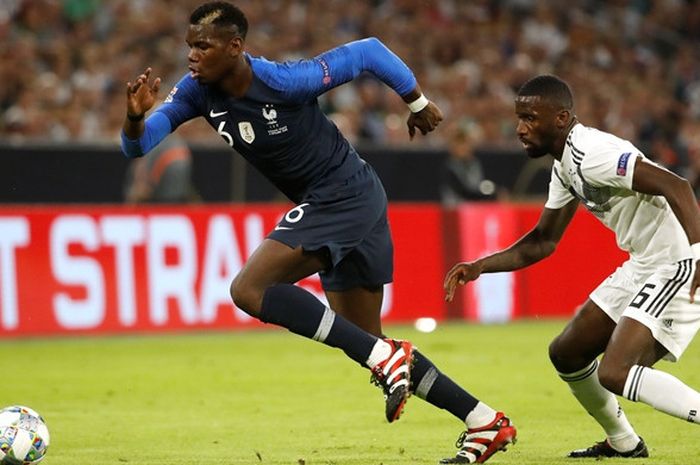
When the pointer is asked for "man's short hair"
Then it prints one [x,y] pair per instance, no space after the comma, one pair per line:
[220,14]
[550,88]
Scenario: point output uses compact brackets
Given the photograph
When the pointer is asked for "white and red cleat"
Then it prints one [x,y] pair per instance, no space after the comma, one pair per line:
[476,445]
[393,375]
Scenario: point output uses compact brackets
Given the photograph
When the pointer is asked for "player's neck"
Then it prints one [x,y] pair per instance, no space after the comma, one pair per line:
[237,83]
[561,141]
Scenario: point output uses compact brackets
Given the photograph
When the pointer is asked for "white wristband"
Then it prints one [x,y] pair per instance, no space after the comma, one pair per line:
[418,104]
[696,251]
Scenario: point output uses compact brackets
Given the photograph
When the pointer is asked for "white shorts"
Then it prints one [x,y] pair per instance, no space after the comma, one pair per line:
[660,300]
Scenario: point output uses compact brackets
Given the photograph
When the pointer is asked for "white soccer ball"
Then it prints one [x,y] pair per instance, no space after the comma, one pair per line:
[24,437]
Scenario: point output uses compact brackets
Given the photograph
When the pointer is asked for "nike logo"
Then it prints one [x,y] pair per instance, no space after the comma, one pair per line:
[282,228]
[214,114]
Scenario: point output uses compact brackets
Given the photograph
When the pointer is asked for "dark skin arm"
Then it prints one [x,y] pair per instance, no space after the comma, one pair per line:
[140,97]
[651,179]
[425,120]
[534,246]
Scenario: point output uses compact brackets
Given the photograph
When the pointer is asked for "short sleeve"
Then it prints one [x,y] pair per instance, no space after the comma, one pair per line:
[610,165]
[559,194]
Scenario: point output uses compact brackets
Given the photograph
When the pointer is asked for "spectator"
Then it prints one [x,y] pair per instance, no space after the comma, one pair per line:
[163,176]
[624,58]
[462,174]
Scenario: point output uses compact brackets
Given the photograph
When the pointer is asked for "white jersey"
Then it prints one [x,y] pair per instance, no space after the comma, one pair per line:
[597,168]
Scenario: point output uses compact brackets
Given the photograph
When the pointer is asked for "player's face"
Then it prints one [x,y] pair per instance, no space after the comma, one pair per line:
[213,53]
[537,128]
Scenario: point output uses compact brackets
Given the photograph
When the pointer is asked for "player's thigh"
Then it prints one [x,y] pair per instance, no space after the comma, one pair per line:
[583,339]
[337,218]
[355,286]
[273,263]
[661,306]
[588,333]
[369,264]
[360,305]
[632,343]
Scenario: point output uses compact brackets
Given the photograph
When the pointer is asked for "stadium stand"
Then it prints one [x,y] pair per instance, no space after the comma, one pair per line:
[634,63]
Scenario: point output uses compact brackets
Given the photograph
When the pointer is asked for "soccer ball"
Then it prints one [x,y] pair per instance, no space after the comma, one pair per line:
[24,437]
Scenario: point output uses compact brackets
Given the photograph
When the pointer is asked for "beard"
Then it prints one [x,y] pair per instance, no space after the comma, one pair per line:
[536,152]
[542,147]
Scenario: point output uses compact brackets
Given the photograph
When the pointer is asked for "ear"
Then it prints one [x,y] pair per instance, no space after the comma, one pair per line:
[563,119]
[235,46]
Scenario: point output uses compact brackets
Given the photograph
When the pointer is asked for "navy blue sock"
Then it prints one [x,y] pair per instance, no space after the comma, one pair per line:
[428,383]
[301,313]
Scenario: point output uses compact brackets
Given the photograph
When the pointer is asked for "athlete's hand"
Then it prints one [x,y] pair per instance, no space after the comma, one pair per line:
[461,274]
[425,120]
[695,284]
[141,95]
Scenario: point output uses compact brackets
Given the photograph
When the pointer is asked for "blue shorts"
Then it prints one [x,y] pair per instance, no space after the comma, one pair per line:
[348,220]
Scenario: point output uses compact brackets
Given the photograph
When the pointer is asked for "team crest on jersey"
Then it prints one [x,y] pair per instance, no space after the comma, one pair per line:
[170,96]
[270,114]
[273,127]
[622,163]
[246,131]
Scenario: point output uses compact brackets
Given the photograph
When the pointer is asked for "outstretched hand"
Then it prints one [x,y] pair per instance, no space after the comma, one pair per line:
[425,120]
[141,95]
[460,274]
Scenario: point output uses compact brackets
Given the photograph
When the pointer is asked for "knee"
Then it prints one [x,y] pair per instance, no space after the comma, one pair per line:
[558,355]
[613,376]
[246,296]
[565,357]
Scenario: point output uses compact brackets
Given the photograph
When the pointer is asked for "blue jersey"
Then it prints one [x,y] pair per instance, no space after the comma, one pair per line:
[278,125]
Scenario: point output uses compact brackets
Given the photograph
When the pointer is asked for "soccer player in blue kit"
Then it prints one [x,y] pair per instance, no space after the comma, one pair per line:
[269,113]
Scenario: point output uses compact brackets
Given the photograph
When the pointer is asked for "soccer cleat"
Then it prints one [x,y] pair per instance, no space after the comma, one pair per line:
[604,449]
[393,375]
[476,445]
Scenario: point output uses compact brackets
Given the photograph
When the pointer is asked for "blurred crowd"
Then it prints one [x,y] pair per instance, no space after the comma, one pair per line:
[634,65]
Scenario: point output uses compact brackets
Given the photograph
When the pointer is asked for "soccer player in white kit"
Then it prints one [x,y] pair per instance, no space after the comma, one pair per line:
[645,310]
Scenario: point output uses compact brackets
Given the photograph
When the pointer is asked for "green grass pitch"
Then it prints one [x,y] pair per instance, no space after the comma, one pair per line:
[270,397]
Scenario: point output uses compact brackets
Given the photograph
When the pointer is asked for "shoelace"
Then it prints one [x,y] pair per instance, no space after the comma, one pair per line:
[374,379]
[377,381]
[460,440]
[465,435]
[598,445]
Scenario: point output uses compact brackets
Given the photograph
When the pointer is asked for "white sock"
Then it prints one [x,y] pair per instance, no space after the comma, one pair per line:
[482,415]
[380,352]
[662,391]
[603,406]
